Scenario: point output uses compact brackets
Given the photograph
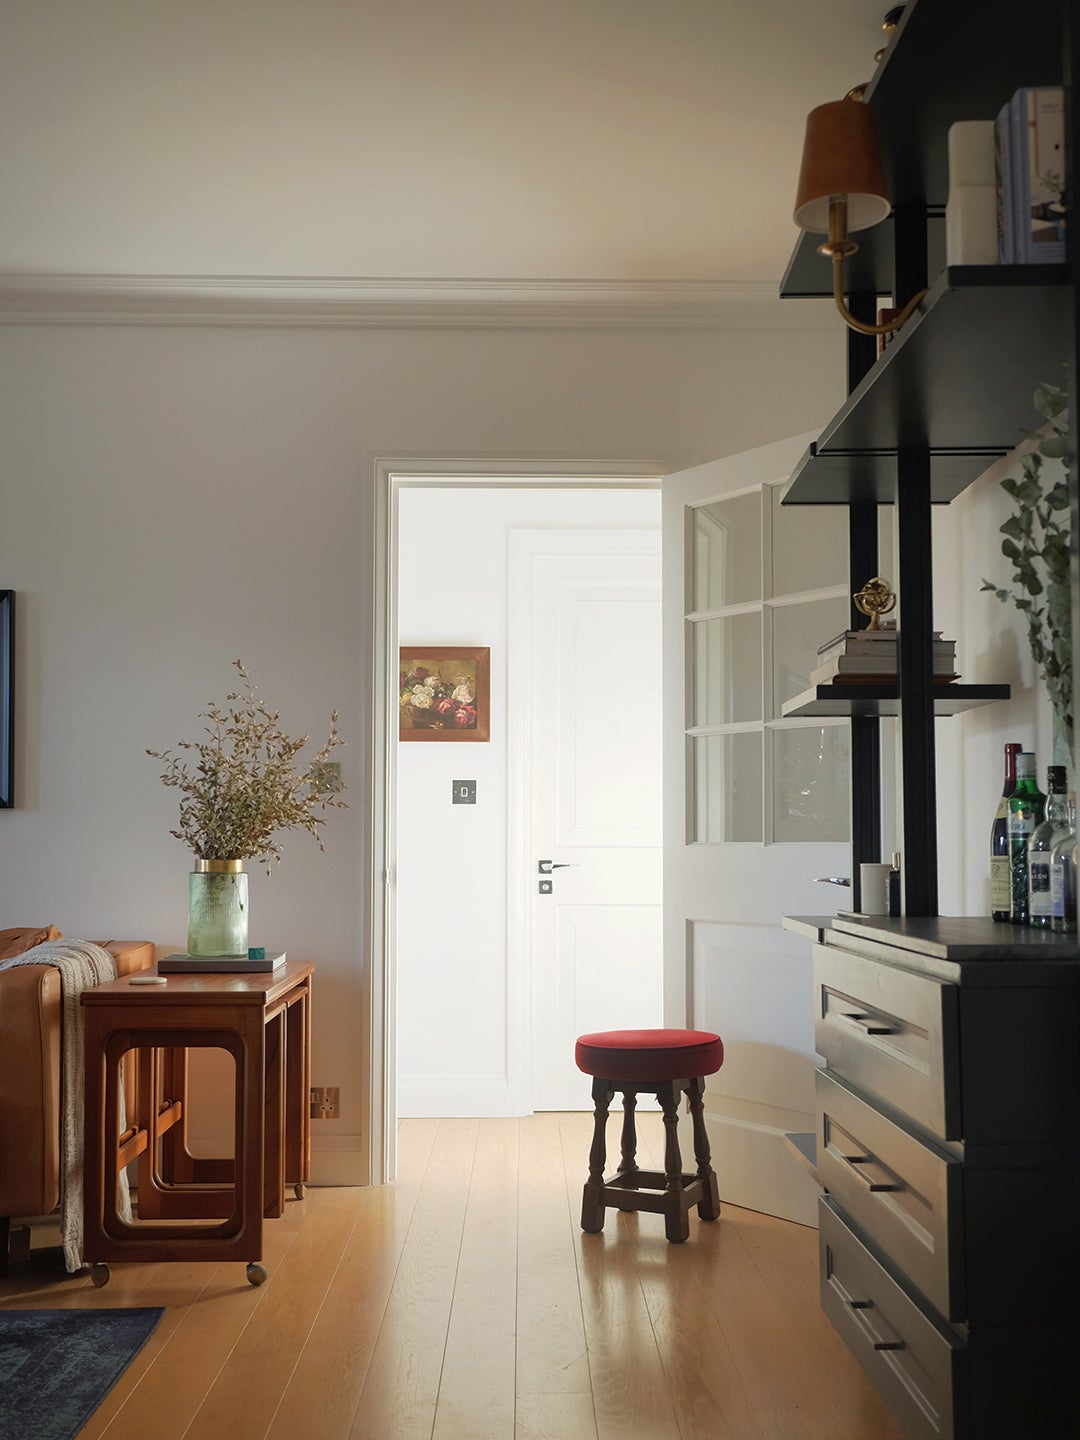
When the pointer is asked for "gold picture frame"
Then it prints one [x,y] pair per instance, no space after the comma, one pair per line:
[444,693]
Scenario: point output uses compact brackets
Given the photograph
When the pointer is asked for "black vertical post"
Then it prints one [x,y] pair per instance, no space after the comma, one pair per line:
[863,565]
[916,590]
[1070,77]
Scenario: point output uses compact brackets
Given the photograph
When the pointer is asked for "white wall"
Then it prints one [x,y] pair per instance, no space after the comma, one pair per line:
[452,942]
[173,498]
[992,648]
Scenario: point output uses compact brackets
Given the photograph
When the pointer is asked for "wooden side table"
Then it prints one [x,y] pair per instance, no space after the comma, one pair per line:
[190,1208]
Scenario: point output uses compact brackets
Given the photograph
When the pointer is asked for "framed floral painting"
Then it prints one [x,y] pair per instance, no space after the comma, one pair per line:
[444,693]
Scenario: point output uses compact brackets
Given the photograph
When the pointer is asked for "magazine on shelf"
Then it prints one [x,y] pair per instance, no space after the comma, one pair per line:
[1030,150]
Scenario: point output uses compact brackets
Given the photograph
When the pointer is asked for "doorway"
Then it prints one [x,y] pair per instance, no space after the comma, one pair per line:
[463,940]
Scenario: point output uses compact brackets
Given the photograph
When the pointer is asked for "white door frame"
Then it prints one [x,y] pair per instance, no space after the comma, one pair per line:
[391,475]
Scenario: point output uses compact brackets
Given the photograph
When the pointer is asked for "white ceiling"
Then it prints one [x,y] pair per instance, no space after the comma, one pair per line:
[443,139]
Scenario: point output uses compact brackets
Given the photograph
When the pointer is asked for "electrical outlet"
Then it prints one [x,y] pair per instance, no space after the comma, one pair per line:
[326,776]
[325,1102]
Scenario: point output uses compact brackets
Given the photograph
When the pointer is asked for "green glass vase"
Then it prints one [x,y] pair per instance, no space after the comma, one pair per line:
[218,908]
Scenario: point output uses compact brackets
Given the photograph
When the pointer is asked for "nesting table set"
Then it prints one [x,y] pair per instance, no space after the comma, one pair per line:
[191,1208]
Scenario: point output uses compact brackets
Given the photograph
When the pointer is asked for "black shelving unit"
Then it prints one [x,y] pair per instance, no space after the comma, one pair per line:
[925,391]
[950,393]
[982,1017]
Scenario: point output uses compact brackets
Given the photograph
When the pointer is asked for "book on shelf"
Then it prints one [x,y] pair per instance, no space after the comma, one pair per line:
[855,643]
[883,634]
[220,964]
[847,668]
[1030,159]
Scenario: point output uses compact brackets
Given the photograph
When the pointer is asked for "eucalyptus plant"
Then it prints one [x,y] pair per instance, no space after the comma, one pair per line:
[1037,543]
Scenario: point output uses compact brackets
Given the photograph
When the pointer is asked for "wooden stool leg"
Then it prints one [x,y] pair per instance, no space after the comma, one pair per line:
[592,1208]
[628,1166]
[676,1220]
[709,1205]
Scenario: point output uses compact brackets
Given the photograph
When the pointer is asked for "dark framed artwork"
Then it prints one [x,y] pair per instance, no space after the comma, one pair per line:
[444,693]
[7,698]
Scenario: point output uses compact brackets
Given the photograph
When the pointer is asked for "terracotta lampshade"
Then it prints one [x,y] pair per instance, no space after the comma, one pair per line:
[841,159]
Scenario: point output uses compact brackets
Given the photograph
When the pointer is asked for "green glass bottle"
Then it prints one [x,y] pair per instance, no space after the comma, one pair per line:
[1027,810]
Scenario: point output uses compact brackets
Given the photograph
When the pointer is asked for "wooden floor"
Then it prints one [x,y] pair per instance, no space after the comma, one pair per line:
[464,1303]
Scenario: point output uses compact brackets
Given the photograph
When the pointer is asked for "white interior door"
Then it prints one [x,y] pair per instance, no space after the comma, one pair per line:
[755,806]
[592,606]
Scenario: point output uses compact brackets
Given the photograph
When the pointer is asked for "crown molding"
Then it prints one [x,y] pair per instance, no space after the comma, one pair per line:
[42,299]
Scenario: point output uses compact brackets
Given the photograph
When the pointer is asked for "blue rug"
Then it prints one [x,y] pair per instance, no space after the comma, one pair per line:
[56,1366]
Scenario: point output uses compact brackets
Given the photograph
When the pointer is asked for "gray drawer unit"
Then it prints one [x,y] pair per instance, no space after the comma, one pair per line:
[948,1147]
[914,1364]
[907,1196]
[892,1032]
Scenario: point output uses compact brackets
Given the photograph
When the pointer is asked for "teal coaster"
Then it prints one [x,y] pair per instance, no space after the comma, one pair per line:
[257,952]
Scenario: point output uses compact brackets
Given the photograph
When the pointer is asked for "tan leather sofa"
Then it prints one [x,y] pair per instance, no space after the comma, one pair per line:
[30,1083]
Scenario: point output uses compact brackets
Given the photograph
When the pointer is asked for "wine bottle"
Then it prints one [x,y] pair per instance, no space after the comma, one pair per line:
[1043,839]
[1000,875]
[1027,810]
[1063,877]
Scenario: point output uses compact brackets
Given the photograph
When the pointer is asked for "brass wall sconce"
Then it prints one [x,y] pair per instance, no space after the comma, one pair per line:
[841,189]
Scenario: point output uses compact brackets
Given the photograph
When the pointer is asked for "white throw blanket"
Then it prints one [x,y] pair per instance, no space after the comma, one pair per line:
[81,966]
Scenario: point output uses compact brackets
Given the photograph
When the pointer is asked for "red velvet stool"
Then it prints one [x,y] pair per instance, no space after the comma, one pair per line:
[667,1064]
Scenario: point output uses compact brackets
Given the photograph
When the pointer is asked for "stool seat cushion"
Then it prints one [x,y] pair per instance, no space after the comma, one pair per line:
[649,1054]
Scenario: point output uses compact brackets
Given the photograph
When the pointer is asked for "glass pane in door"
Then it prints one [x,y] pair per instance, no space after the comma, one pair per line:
[727,553]
[727,669]
[798,630]
[808,543]
[811,783]
[727,788]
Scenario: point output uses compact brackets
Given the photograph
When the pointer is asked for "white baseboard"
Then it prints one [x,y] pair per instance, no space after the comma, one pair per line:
[423,1099]
[337,1159]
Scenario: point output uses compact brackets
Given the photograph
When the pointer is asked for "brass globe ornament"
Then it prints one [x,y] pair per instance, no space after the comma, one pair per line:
[875,599]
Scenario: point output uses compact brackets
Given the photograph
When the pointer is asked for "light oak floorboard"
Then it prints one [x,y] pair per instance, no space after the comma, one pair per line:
[463,1302]
[476,1391]
[402,1386]
[551,1353]
[323,1394]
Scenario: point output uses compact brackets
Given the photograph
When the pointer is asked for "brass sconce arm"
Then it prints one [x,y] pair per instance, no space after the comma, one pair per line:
[838,246]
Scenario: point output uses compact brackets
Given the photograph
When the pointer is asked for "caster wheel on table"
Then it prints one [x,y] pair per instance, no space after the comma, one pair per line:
[99,1274]
[256,1274]
[299,1189]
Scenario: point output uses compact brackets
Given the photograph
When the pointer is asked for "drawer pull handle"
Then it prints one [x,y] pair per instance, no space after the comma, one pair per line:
[861,1304]
[873,1185]
[889,1345]
[871,1024]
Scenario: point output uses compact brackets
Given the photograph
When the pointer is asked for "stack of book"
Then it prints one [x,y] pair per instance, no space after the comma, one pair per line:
[869,657]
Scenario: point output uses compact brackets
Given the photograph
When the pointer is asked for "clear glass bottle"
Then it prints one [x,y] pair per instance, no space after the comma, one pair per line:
[1000,874]
[1027,810]
[1063,877]
[1043,839]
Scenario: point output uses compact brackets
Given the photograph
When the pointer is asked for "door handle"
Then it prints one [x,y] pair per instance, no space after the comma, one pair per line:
[545,867]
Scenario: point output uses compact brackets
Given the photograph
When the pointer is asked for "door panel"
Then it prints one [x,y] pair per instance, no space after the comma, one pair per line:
[755,806]
[595,802]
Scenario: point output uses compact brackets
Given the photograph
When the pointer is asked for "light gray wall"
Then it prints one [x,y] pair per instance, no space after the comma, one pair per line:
[176,497]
